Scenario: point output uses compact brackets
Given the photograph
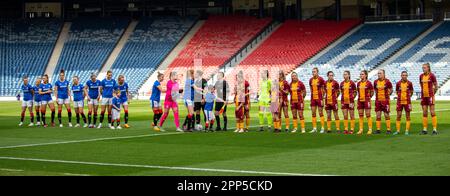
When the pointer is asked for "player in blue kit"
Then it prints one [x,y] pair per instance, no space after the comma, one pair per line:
[62,94]
[27,101]
[124,97]
[46,90]
[210,99]
[107,88]
[78,100]
[92,90]
[189,123]
[37,101]
[155,100]
[116,103]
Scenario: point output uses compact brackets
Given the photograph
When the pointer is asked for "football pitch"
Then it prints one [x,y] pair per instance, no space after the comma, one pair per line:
[141,151]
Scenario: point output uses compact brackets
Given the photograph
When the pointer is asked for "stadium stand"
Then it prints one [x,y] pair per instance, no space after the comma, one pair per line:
[25,49]
[366,49]
[293,44]
[218,40]
[90,42]
[434,49]
[150,43]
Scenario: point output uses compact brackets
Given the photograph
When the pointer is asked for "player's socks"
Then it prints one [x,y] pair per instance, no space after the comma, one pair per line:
[261,118]
[126,117]
[398,125]
[38,116]
[247,123]
[118,122]
[328,125]
[302,124]
[163,118]
[361,123]
[338,125]
[102,117]
[218,121]
[109,117]
[425,123]
[268,115]
[22,116]
[408,125]
[435,123]
[352,125]
[43,118]
[388,125]
[197,119]
[345,124]
[314,122]
[32,117]
[89,117]
[288,124]
[78,118]
[370,123]
[295,122]
[225,122]
[95,118]
[177,118]
[83,117]
[322,122]
[378,125]
[53,116]
[69,113]
[59,117]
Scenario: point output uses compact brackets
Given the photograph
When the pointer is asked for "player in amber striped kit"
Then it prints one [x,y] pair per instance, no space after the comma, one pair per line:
[348,91]
[298,94]
[383,89]
[429,86]
[317,85]
[332,93]
[365,94]
[404,90]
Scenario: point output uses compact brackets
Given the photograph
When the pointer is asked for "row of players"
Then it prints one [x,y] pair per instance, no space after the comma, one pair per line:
[276,96]
[39,96]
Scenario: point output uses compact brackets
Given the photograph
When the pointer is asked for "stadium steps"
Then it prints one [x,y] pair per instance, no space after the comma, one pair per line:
[444,89]
[404,49]
[57,50]
[332,45]
[146,87]
[273,27]
[115,53]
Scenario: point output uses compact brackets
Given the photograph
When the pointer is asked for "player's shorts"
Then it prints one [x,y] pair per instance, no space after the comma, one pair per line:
[219,106]
[364,105]
[170,105]
[401,107]
[264,103]
[93,102]
[297,106]
[332,107]
[155,104]
[240,114]
[188,103]
[198,106]
[63,101]
[45,102]
[115,114]
[125,103]
[37,103]
[382,106]
[428,101]
[107,101]
[350,106]
[317,103]
[209,115]
[27,103]
[78,104]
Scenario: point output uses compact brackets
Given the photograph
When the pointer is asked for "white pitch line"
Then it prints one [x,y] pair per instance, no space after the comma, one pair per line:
[88,140]
[11,170]
[163,167]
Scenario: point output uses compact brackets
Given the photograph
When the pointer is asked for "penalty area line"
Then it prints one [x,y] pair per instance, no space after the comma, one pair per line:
[163,167]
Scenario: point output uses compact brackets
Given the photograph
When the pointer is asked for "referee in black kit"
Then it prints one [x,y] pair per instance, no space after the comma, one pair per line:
[222,90]
[199,99]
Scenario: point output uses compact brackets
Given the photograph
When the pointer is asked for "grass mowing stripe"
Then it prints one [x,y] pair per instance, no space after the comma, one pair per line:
[88,140]
[11,170]
[163,167]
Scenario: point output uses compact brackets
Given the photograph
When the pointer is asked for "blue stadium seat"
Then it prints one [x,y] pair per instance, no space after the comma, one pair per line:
[25,49]
[152,40]
[90,42]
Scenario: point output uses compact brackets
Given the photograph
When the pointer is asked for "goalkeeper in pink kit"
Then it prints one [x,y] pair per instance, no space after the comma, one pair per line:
[170,103]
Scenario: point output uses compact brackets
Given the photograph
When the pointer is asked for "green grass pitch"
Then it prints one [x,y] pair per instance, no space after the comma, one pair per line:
[141,151]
